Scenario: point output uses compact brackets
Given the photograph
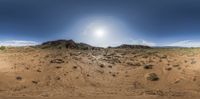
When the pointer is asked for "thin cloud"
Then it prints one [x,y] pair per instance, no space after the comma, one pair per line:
[185,43]
[18,43]
[143,42]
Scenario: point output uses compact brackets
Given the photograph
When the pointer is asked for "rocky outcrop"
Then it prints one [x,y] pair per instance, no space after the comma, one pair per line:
[66,44]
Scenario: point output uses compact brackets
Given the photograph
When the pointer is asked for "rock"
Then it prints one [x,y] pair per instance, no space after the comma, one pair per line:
[168,68]
[75,67]
[102,65]
[19,78]
[148,66]
[133,64]
[177,65]
[109,66]
[193,62]
[164,56]
[58,61]
[35,82]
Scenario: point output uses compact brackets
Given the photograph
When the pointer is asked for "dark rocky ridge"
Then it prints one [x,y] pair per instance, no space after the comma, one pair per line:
[70,44]
[66,44]
[133,46]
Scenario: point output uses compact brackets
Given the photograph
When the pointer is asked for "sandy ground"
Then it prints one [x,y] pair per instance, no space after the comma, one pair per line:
[33,73]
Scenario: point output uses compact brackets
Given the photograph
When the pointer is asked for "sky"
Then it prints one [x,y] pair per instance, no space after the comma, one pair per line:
[101,22]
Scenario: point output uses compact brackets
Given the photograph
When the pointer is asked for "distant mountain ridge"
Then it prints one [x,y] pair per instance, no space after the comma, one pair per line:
[132,46]
[70,44]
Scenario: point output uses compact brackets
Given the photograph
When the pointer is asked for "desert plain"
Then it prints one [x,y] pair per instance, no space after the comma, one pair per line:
[62,70]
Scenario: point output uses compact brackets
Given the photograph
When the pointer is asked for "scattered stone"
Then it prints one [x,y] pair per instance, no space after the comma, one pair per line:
[58,61]
[100,71]
[148,66]
[58,67]
[74,67]
[58,78]
[177,81]
[193,62]
[113,75]
[164,56]
[177,65]
[35,82]
[145,56]
[19,78]
[102,65]
[168,68]
[110,66]
[137,85]
[185,61]
[39,70]
[133,64]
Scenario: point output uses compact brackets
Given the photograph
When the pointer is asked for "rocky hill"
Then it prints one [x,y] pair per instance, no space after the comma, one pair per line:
[66,44]
[70,44]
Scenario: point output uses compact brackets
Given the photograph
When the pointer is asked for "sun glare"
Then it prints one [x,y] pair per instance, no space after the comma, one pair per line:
[99,32]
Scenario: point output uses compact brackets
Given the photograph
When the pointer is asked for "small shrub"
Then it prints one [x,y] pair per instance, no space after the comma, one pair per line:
[152,77]
[2,48]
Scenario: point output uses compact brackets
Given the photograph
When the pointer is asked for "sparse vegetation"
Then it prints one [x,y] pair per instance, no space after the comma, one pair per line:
[2,47]
[152,77]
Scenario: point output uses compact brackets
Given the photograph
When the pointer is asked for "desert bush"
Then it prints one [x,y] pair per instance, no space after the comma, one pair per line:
[152,77]
[2,48]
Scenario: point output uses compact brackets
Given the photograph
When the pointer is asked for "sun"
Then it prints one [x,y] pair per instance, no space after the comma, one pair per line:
[99,32]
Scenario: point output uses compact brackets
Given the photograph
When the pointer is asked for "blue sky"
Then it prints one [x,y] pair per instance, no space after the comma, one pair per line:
[151,22]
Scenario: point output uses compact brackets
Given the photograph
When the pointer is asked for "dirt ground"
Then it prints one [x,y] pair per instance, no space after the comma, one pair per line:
[34,73]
